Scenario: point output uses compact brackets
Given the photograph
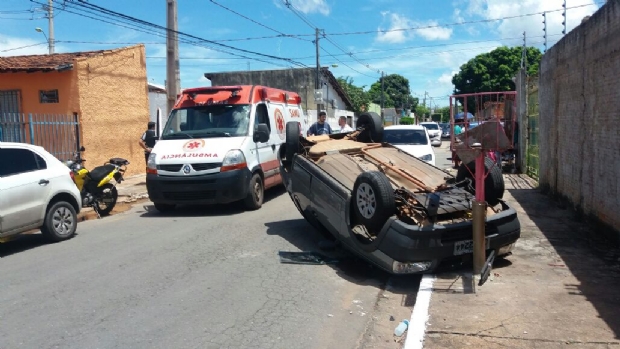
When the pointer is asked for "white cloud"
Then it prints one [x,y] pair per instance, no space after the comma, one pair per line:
[395,33]
[307,6]
[532,25]
[13,46]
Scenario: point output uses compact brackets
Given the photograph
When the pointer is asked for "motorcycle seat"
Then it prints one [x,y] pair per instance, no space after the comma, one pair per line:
[98,173]
[119,161]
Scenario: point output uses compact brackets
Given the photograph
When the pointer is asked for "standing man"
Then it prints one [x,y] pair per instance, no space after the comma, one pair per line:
[320,127]
[148,139]
[344,127]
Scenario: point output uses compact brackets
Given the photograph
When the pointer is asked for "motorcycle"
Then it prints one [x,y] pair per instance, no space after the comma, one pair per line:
[96,187]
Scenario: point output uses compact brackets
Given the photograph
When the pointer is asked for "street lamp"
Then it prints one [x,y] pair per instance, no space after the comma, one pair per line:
[49,44]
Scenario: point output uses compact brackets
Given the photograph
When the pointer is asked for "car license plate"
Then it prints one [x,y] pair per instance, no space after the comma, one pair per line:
[467,246]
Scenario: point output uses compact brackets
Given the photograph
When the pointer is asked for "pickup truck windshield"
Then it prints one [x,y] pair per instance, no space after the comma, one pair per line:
[401,137]
[208,121]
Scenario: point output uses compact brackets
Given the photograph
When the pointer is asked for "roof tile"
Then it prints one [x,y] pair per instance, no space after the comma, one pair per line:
[41,62]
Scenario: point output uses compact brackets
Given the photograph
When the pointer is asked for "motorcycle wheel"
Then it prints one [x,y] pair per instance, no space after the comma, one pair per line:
[106,200]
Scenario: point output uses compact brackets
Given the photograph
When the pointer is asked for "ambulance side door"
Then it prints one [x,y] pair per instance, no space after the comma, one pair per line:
[264,150]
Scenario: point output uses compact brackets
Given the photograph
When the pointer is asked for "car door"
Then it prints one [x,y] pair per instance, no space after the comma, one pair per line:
[264,151]
[24,188]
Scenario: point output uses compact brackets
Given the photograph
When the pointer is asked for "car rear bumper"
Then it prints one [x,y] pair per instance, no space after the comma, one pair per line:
[419,250]
[217,188]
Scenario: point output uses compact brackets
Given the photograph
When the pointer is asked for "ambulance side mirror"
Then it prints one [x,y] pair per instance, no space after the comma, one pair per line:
[261,133]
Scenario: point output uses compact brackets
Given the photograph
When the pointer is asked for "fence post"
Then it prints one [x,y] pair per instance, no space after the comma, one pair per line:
[31,128]
[76,119]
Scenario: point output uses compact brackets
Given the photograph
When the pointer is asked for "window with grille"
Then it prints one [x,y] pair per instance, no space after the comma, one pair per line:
[49,96]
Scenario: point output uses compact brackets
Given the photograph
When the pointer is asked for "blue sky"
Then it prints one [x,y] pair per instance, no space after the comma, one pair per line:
[426,41]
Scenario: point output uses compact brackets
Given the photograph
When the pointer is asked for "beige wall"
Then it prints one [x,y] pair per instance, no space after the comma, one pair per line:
[114,107]
[579,128]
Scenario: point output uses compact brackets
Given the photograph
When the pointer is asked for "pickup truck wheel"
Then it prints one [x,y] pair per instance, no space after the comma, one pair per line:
[256,193]
[373,128]
[163,208]
[493,184]
[292,139]
[60,222]
[373,200]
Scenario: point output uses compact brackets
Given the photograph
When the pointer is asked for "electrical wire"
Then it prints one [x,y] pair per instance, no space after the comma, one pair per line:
[255,22]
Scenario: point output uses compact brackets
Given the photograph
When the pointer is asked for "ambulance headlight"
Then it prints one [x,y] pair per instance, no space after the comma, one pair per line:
[233,160]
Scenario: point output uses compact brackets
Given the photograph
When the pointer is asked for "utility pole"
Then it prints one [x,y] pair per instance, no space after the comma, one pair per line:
[317,82]
[50,21]
[382,98]
[524,53]
[172,54]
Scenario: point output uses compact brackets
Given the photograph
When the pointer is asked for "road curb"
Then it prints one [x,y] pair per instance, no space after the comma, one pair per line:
[420,314]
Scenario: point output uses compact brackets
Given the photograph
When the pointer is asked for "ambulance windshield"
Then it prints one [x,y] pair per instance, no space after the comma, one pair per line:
[208,121]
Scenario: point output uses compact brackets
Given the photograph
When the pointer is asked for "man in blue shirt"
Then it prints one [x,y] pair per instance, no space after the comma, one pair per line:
[320,127]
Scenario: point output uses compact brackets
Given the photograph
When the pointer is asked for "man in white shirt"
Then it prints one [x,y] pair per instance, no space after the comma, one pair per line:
[344,127]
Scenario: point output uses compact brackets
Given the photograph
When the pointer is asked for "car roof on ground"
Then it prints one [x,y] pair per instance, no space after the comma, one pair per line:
[404,127]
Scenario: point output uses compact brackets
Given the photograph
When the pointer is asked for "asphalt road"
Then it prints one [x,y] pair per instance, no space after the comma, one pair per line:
[443,155]
[201,278]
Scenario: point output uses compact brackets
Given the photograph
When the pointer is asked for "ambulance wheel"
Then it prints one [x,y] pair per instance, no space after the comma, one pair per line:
[292,139]
[256,193]
[373,128]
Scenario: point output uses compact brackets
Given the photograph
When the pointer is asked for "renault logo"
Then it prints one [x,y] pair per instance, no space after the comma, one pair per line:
[186,169]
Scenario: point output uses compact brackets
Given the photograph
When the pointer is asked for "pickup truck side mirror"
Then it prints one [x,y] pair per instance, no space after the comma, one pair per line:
[261,133]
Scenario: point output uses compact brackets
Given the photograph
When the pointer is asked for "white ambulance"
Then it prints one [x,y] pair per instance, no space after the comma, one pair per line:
[219,146]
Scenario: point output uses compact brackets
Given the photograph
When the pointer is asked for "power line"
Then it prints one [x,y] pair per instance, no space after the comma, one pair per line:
[139,25]
[255,22]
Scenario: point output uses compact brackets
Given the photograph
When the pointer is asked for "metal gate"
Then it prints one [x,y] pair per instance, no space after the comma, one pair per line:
[10,130]
[532,152]
[58,134]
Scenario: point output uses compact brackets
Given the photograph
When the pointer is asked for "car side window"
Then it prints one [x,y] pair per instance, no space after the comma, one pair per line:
[17,161]
[261,116]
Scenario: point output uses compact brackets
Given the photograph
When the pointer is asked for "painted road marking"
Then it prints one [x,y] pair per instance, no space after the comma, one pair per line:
[419,315]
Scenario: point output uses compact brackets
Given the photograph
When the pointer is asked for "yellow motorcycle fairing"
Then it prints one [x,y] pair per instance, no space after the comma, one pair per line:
[107,178]
[79,178]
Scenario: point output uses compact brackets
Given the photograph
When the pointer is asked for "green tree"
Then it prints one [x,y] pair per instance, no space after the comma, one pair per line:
[359,98]
[494,71]
[422,112]
[396,92]
[445,114]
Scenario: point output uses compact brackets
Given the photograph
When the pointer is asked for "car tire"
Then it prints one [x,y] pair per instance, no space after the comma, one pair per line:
[164,208]
[493,184]
[113,196]
[60,222]
[292,139]
[373,201]
[373,128]
[256,193]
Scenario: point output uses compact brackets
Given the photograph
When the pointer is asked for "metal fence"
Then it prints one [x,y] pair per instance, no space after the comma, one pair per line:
[532,163]
[58,134]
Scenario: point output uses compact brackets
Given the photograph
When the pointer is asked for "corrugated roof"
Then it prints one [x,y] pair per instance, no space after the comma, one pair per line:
[56,61]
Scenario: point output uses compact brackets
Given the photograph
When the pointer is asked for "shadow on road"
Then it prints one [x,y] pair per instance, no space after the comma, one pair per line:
[592,259]
[209,210]
[350,267]
[23,243]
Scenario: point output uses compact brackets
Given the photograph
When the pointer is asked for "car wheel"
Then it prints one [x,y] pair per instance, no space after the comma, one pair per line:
[163,208]
[60,222]
[107,200]
[373,200]
[373,128]
[256,193]
[493,184]
[292,139]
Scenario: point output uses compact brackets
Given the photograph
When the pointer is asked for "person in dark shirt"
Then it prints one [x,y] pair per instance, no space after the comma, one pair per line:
[320,127]
[148,139]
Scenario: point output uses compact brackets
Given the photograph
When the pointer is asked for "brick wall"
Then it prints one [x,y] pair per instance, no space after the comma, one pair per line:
[579,92]
[114,107]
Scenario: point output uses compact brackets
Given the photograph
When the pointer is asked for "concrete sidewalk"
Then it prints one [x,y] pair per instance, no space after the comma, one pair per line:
[132,188]
[559,289]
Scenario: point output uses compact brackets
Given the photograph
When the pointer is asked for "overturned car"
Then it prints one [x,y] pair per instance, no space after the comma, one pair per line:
[392,209]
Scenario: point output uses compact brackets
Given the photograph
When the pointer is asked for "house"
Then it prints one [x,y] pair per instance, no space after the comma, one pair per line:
[158,105]
[300,80]
[104,92]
